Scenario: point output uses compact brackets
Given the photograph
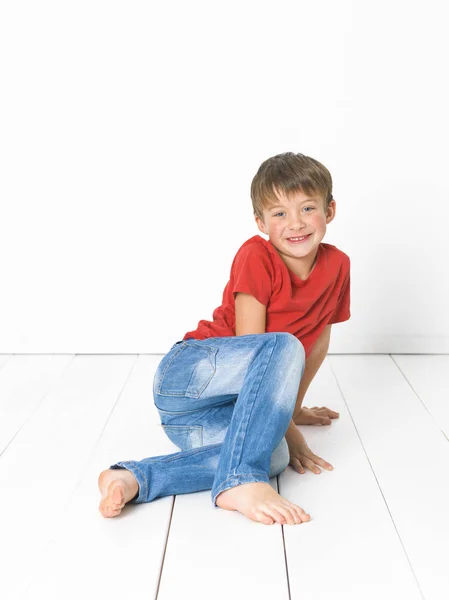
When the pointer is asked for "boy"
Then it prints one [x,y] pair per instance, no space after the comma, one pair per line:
[227,392]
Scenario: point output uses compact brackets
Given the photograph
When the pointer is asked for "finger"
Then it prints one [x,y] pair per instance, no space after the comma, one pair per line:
[320,461]
[329,412]
[310,465]
[296,464]
[318,420]
[332,414]
[315,420]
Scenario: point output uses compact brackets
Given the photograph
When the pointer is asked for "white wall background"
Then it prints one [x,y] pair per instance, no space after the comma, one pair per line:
[130,133]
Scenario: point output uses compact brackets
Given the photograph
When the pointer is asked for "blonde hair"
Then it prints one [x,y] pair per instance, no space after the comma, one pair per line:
[289,173]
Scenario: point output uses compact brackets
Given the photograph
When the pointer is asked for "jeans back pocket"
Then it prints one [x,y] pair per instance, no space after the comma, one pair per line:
[188,371]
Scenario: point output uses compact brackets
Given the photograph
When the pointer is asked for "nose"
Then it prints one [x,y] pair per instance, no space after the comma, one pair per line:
[296,222]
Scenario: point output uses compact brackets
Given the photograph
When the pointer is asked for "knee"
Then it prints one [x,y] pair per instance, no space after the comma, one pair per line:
[280,458]
[292,350]
[285,340]
[292,346]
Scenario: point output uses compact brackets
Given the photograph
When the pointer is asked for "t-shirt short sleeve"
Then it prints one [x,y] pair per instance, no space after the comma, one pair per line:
[342,311]
[252,273]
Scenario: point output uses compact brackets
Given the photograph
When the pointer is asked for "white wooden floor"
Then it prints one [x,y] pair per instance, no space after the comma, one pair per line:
[379,522]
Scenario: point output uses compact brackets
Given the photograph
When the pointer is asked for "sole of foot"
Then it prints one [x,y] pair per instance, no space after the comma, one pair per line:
[117,487]
[260,502]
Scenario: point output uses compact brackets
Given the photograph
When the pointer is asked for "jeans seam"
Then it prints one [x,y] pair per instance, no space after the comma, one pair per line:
[197,429]
[178,413]
[175,354]
[182,426]
[252,407]
[192,451]
[143,477]
[240,475]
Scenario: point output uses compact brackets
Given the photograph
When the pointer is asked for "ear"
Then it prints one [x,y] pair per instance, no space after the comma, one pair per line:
[331,211]
[261,225]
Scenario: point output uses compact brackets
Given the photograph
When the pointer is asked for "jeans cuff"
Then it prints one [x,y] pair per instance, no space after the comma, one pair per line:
[131,465]
[236,480]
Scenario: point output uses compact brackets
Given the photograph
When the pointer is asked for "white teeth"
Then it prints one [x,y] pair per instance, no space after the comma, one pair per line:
[298,238]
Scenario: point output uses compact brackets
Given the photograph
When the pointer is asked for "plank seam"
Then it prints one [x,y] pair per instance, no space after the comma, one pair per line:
[55,532]
[285,549]
[92,453]
[165,548]
[377,481]
[7,360]
[417,395]
[39,404]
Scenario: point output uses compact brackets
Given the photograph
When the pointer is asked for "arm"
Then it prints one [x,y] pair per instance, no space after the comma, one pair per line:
[250,315]
[313,363]
[300,454]
[250,318]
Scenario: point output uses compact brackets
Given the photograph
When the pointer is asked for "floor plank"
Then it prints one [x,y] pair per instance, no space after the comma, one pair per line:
[42,465]
[409,456]
[378,524]
[350,548]
[24,382]
[4,358]
[206,543]
[429,378]
[120,557]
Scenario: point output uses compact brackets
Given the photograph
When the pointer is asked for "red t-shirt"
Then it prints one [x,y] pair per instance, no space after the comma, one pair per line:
[302,308]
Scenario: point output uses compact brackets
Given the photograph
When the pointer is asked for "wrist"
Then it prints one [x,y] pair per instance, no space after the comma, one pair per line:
[293,435]
[296,413]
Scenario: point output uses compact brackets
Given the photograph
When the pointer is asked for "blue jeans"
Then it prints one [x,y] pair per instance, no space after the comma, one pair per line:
[226,403]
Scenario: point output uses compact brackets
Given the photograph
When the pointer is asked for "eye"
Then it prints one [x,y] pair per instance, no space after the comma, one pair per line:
[279,213]
[311,207]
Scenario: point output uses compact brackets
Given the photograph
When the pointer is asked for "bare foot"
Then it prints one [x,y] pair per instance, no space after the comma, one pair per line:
[259,502]
[117,486]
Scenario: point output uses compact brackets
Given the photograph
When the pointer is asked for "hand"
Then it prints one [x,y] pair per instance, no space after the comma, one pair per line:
[315,416]
[302,456]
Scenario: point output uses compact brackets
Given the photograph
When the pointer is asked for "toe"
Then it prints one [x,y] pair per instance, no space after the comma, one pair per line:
[263,518]
[275,515]
[289,516]
[299,512]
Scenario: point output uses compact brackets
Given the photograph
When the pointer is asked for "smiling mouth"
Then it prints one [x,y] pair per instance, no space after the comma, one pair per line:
[302,238]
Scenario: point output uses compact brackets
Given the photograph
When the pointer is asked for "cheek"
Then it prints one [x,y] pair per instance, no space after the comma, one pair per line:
[318,222]
[277,227]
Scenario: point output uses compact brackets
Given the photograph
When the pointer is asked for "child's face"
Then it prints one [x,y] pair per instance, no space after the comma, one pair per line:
[298,216]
